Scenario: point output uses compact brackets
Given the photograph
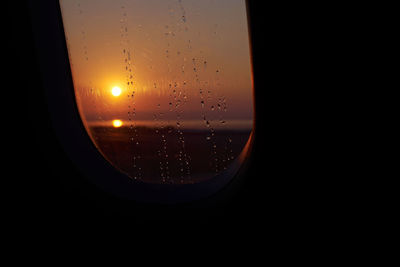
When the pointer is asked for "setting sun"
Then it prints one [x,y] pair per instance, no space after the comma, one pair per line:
[117,123]
[116,91]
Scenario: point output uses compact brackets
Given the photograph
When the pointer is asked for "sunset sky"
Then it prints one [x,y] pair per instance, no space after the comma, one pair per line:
[143,58]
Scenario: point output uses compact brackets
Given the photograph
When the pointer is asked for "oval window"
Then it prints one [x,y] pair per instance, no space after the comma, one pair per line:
[163,87]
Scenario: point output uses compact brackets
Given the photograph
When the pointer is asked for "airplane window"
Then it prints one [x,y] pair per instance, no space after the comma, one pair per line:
[163,87]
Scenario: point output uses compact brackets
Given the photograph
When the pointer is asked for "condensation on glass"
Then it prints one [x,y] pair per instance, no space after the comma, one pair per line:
[163,87]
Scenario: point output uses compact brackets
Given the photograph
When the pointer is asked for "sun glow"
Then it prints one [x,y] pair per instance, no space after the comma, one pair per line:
[116,91]
[117,123]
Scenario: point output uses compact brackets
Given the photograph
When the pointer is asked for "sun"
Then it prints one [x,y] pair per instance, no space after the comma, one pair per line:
[117,123]
[116,91]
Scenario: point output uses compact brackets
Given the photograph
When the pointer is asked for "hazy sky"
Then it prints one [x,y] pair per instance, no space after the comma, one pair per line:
[173,56]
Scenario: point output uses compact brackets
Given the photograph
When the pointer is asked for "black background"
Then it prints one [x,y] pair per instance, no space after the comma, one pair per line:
[282,187]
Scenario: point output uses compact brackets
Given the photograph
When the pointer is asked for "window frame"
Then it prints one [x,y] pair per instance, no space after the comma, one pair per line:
[52,55]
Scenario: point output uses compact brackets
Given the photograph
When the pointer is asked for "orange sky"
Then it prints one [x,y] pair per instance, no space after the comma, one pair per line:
[172,54]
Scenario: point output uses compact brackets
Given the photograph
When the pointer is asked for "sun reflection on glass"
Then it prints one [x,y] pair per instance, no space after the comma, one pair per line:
[117,123]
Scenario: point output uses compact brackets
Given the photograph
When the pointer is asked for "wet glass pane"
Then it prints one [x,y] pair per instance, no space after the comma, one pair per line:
[163,87]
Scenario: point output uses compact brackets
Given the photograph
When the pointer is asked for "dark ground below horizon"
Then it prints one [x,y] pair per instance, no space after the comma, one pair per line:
[169,155]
